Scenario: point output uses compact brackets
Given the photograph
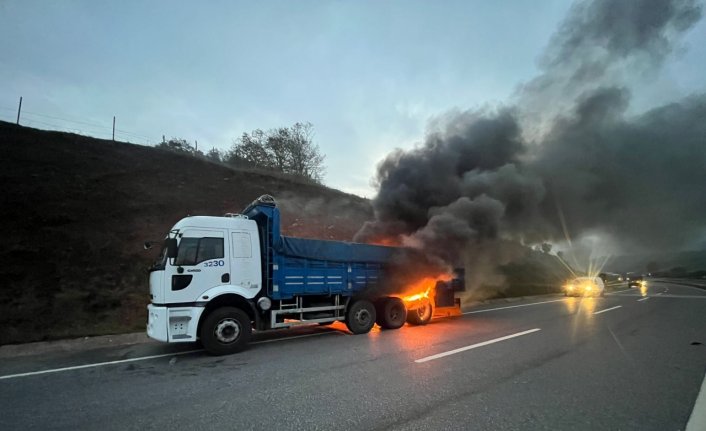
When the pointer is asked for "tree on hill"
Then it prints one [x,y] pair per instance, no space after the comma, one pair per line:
[214,155]
[250,149]
[305,159]
[178,145]
[286,149]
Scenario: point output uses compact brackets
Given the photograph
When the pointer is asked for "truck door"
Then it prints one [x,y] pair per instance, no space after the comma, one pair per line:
[201,264]
[245,261]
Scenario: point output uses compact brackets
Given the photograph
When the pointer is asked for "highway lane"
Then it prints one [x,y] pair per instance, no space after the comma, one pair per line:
[631,367]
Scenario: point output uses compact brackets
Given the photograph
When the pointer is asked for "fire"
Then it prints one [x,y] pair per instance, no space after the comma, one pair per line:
[422,288]
[417,296]
[388,242]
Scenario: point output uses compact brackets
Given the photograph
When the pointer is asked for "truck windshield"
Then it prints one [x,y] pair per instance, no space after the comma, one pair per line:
[161,261]
[193,251]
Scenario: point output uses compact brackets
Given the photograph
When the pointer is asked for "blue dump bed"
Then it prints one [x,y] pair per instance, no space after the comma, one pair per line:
[297,266]
[316,267]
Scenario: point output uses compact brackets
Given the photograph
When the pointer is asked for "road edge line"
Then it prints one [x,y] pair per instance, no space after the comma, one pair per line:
[97,364]
[697,418]
[144,358]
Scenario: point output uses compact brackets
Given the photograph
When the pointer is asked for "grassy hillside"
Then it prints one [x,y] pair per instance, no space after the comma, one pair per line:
[77,211]
[690,261]
[527,272]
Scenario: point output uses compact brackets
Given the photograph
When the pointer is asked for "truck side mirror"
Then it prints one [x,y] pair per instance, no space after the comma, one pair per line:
[172,250]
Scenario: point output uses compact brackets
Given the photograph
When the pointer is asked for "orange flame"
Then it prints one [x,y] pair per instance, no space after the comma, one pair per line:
[422,288]
[388,242]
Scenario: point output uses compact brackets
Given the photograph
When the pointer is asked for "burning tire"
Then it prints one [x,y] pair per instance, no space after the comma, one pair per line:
[360,316]
[391,313]
[421,315]
[225,330]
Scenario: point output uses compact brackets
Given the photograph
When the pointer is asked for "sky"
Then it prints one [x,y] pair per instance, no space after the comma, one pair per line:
[369,75]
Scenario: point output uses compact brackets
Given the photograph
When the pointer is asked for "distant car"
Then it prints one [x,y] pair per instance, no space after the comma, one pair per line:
[636,281]
[585,286]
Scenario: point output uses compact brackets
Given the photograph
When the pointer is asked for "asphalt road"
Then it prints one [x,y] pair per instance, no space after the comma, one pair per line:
[620,363]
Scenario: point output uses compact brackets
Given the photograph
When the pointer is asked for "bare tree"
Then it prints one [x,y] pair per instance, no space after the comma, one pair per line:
[250,149]
[214,155]
[279,147]
[286,149]
[179,145]
[305,158]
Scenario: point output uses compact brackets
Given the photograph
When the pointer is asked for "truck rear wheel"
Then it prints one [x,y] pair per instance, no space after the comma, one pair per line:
[360,316]
[421,315]
[225,330]
[391,313]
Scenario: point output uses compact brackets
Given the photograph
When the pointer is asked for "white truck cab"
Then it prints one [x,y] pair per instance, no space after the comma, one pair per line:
[216,256]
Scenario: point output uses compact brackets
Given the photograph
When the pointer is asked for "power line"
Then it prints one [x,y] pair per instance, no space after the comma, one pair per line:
[124,132]
[32,120]
[66,119]
[55,126]
[89,128]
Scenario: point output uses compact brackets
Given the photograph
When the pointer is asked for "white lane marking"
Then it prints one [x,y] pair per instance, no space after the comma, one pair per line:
[643,299]
[608,309]
[473,346]
[618,291]
[660,293]
[697,420]
[511,306]
[143,358]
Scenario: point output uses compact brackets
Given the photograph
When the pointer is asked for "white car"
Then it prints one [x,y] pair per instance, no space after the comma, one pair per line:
[585,286]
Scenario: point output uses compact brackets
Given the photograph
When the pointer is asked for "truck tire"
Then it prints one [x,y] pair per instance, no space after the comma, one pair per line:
[421,315]
[226,330]
[360,316]
[391,313]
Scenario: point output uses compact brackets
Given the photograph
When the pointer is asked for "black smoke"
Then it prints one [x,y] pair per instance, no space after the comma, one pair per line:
[565,153]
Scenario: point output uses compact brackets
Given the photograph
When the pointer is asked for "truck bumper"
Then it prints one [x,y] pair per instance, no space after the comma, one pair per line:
[173,324]
[157,323]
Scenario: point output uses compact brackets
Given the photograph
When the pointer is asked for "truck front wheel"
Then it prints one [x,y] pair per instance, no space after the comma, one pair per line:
[226,330]
[421,315]
[391,313]
[360,317]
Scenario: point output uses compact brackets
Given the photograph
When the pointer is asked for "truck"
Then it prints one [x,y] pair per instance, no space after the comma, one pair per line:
[219,278]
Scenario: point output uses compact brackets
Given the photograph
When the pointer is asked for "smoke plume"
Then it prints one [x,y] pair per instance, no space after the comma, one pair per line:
[563,154]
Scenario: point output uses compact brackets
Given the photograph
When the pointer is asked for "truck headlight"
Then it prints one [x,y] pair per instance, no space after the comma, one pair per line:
[264,303]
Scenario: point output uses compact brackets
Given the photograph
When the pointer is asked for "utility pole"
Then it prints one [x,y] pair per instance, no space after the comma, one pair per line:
[163,140]
[19,109]
[197,145]
[113,127]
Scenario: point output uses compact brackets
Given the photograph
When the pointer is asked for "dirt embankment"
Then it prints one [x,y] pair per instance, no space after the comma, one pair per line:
[77,211]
